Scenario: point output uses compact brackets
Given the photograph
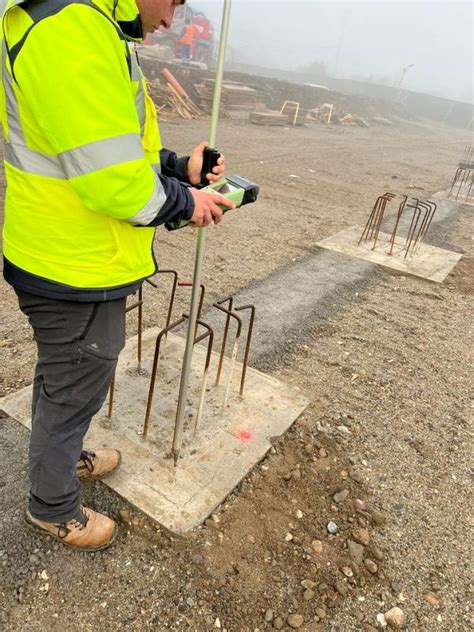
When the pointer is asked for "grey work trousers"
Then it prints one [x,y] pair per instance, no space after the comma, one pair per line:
[78,347]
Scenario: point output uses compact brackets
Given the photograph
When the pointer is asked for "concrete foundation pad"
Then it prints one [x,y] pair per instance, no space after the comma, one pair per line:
[229,443]
[428,262]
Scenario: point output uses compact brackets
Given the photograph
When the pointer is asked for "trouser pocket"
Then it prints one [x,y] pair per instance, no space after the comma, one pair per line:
[104,335]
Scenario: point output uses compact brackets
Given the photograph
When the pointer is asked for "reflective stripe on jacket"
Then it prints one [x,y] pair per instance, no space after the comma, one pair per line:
[81,147]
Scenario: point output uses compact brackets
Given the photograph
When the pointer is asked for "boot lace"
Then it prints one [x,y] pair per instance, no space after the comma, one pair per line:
[78,522]
[87,459]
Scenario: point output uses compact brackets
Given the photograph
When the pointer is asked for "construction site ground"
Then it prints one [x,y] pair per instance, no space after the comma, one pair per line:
[386,362]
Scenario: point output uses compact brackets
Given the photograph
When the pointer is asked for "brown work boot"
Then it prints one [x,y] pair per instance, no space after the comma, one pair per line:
[89,531]
[98,464]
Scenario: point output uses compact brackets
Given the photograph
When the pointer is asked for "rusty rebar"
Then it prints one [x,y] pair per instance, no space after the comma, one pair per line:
[401,208]
[378,216]
[432,207]
[468,195]
[138,304]
[388,197]
[365,232]
[247,345]
[210,334]
[172,295]
[235,349]
[426,207]
[156,357]
[375,217]
[413,226]
[111,396]
[455,179]
[230,301]
[465,175]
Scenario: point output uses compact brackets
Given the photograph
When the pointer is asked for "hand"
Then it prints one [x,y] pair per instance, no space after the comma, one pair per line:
[206,210]
[195,166]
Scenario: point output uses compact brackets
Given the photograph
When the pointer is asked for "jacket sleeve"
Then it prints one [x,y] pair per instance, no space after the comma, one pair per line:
[73,76]
[173,166]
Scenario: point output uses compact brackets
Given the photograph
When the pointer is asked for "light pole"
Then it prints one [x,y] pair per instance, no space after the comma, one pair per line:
[404,72]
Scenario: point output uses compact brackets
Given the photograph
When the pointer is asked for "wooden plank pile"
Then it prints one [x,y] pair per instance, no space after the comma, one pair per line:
[276,119]
[329,113]
[169,103]
[171,98]
[235,96]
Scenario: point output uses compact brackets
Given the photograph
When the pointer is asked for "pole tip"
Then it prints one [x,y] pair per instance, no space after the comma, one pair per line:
[175,457]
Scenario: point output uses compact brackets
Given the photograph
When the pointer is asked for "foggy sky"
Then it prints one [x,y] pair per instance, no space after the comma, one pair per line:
[377,39]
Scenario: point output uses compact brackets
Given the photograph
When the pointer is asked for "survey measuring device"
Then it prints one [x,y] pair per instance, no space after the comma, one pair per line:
[237,189]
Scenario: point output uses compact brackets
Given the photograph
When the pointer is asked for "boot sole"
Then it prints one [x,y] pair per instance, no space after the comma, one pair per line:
[37,529]
[92,478]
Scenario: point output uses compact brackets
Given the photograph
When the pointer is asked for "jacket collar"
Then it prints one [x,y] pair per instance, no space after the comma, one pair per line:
[124,12]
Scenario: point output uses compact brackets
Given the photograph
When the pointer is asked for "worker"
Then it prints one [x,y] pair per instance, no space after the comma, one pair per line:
[187,40]
[87,184]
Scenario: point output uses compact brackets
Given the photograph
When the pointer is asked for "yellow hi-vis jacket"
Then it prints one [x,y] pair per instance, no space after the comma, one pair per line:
[81,150]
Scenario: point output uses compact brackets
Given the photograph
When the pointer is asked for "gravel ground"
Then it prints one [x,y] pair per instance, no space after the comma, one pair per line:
[389,376]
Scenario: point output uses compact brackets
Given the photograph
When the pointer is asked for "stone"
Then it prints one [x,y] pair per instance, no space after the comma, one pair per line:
[322,453]
[323,588]
[433,599]
[295,621]
[288,537]
[358,504]
[341,496]
[308,584]
[299,514]
[198,559]
[356,551]
[341,588]
[320,612]
[356,475]
[332,528]
[269,616]
[361,536]
[371,566]
[296,475]
[377,516]
[347,571]
[278,623]
[317,546]
[395,618]
[308,595]
[378,554]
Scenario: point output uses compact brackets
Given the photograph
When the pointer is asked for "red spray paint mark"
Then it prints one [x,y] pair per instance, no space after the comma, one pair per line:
[244,435]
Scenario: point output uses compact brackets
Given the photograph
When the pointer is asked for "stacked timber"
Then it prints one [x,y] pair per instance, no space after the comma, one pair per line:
[235,96]
[172,98]
[169,102]
[329,113]
[276,119]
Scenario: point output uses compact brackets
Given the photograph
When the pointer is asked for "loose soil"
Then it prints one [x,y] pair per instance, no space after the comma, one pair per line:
[389,377]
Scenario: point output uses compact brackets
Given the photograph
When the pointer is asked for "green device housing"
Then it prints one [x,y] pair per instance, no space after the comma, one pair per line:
[239,190]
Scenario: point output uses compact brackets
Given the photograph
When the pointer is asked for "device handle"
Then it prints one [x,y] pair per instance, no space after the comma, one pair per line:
[210,158]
